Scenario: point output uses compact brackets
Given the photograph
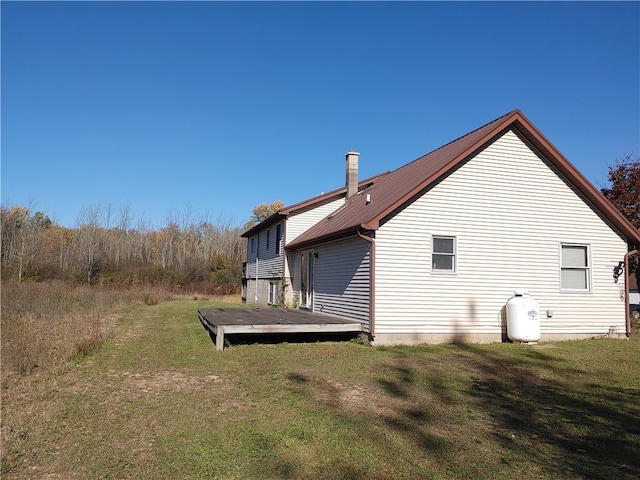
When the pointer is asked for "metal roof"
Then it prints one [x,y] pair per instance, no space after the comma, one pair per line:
[392,191]
[309,204]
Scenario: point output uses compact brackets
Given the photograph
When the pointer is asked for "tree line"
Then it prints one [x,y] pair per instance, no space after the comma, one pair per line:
[114,249]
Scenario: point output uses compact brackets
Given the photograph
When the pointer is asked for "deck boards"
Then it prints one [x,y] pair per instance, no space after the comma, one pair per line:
[221,321]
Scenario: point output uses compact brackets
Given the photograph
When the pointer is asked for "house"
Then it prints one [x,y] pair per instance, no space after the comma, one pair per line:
[432,251]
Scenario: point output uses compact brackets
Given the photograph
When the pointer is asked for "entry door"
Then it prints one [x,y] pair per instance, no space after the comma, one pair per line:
[306,279]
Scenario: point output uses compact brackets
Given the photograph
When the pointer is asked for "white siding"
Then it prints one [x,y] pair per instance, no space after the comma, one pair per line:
[293,261]
[341,281]
[509,212]
[300,223]
[297,225]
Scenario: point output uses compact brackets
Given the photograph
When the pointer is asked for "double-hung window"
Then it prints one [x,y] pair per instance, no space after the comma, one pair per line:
[575,267]
[443,254]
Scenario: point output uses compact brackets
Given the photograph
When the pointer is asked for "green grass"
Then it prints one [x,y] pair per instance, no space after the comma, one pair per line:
[157,401]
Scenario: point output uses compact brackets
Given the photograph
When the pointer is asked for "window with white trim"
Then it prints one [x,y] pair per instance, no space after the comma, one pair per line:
[443,254]
[575,267]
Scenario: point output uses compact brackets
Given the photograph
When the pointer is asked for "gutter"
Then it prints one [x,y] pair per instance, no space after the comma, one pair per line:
[372,284]
[627,307]
[347,232]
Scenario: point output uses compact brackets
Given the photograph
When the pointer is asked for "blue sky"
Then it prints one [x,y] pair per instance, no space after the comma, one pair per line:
[213,107]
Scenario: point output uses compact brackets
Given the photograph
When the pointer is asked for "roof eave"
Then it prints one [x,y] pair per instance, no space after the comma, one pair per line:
[347,232]
[500,126]
[578,180]
[270,220]
[327,197]
[515,121]
[518,121]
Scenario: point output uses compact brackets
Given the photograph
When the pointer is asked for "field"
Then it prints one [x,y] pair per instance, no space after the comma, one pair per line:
[140,392]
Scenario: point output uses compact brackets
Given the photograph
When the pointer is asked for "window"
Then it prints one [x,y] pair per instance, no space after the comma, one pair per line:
[273,293]
[268,238]
[278,237]
[252,244]
[575,271]
[443,254]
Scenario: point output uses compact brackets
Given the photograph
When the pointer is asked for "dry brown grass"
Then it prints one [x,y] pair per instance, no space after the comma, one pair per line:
[46,328]
[46,324]
[234,298]
[157,401]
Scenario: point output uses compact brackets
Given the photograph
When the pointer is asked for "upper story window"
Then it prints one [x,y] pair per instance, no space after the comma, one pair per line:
[278,237]
[575,267]
[443,254]
[252,244]
[268,238]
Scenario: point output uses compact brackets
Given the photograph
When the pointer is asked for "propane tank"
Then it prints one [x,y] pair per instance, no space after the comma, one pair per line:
[523,322]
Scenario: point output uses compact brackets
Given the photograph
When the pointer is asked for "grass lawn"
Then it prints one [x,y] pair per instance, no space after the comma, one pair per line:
[157,401]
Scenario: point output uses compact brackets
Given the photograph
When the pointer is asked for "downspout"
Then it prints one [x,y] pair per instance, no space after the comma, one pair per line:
[372,284]
[627,307]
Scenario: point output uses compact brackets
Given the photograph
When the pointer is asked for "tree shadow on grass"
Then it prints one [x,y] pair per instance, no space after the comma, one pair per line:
[593,429]
[375,431]
[529,416]
[541,415]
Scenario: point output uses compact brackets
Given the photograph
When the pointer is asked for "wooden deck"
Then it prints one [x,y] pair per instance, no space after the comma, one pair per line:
[221,321]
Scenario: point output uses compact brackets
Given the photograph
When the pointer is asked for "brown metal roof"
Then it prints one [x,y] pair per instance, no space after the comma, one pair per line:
[309,204]
[328,197]
[394,190]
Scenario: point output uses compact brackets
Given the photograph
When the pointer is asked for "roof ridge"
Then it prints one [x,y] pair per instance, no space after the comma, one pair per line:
[500,118]
[337,191]
[392,191]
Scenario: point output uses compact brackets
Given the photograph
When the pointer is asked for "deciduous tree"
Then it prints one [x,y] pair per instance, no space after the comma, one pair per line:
[262,212]
[624,193]
[624,188]
[20,236]
[113,250]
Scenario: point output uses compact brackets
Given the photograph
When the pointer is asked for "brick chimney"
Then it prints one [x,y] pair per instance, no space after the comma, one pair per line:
[351,173]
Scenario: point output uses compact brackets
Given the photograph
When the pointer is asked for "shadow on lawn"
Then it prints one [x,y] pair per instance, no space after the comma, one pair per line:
[539,413]
[584,430]
[531,413]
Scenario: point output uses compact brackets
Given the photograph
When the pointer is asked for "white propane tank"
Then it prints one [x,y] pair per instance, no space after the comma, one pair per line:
[523,322]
